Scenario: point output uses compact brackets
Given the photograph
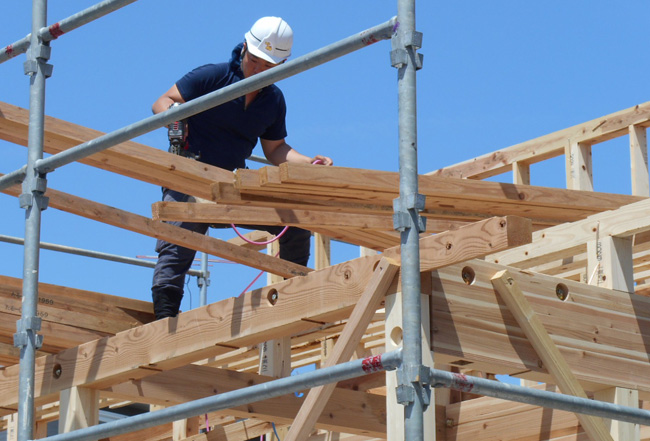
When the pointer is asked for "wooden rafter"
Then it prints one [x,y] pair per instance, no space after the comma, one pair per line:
[160,230]
[544,346]
[344,348]
[129,159]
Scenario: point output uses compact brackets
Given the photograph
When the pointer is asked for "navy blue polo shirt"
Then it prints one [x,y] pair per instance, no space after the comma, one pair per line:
[225,135]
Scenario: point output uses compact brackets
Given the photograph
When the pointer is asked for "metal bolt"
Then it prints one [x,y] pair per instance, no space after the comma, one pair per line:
[57,371]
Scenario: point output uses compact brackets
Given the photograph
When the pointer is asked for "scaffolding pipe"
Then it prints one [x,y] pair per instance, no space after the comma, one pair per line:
[213,99]
[512,392]
[204,280]
[411,391]
[33,201]
[13,178]
[64,26]
[90,253]
[264,391]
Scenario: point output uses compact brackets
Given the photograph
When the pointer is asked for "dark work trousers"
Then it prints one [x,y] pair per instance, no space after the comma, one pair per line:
[174,261]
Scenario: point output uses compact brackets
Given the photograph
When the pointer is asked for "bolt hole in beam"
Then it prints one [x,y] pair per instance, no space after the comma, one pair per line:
[57,371]
[562,291]
[273,297]
[396,336]
[469,275]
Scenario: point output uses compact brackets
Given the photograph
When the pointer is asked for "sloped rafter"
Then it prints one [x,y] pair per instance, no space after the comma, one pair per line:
[159,230]
[552,360]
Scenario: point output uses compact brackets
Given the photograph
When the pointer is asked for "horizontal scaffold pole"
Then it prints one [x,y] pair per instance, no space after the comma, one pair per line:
[527,395]
[64,26]
[345,371]
[224,95]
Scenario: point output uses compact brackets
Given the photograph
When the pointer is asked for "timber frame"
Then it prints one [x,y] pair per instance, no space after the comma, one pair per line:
[547,285]
[591,312]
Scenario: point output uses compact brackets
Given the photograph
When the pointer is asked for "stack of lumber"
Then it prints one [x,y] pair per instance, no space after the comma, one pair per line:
[356,205]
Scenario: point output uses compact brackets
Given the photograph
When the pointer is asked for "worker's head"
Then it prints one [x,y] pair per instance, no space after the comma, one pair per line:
[270,39]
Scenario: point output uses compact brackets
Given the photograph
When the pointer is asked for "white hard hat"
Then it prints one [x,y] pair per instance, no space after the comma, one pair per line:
[271,39]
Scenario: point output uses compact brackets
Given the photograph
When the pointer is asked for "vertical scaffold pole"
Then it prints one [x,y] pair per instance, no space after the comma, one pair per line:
[33,201]
[413,390]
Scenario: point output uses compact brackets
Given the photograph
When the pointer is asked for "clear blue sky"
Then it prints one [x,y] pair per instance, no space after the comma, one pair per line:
[495,74]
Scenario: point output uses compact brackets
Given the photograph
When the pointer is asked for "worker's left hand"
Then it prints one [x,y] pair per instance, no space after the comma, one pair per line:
[322,160]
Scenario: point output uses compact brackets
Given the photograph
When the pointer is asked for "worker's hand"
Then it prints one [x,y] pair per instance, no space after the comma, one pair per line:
[322,160]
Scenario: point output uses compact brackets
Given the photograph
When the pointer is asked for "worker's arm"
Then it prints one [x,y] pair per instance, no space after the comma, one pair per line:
[167,99]
[279,151]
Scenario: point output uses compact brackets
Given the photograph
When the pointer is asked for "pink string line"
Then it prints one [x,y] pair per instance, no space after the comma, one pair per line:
[259,243]
[315,161]
[256,278]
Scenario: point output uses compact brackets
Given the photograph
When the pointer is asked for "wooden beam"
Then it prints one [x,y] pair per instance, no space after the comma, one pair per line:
[537,201]
[83,309]
[344,347]
[567,240]
[492,418]
[131,159]
[552,360]
[57,336]
[602,333]
[159,230]
[549,146]
[213,213]
[324,296]
[298,304]
[347,411]
[476,239]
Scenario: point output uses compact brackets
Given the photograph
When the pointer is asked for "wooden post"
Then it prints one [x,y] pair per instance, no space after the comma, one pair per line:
[79,408]
[609,263]
[520,173]
[40,430]
[610,259]
[322,251]
[579,172]
[275,355]
[12,427]
[639,161]
[619,430]
[183,429]
[394,410]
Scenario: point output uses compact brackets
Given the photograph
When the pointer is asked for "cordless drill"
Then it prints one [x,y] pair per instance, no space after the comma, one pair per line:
[177,134]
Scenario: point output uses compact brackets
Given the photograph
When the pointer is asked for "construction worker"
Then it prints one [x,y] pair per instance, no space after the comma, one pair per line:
[225,136]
